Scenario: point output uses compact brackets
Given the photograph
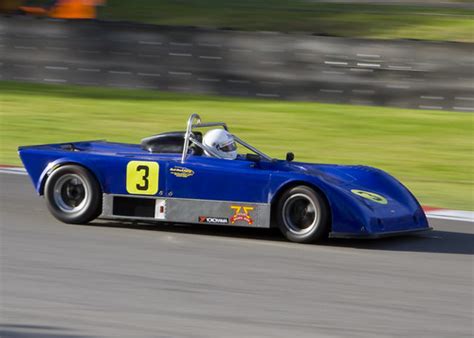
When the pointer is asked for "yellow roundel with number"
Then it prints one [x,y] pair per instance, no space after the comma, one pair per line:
[142,177]
[370,196]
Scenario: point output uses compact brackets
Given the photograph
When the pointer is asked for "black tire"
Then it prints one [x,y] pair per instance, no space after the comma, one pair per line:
[73,195]
[303,215]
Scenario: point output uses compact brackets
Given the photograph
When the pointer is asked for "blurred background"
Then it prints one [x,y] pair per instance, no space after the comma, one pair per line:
[381,83]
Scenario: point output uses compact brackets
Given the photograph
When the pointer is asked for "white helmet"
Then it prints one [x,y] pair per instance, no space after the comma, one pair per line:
[222,142]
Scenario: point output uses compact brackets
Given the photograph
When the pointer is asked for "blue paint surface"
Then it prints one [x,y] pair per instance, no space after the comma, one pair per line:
[244,181]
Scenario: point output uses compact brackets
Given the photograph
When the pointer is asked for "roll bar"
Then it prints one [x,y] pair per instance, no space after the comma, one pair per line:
[194,122]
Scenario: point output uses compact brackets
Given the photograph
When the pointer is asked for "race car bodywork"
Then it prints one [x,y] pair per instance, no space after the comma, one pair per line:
[168,178]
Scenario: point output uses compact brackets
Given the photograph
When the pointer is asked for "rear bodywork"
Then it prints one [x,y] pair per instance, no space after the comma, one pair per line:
[364,201]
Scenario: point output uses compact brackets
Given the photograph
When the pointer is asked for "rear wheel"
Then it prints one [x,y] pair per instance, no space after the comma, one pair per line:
[73,195]
[303,215]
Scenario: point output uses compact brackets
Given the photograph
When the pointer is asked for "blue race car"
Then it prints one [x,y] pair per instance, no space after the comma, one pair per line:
[183,177]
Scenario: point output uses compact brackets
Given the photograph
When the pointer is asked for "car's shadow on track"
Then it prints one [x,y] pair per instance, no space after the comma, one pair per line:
[436,241]
[38,331]
[432,242]
[198,229]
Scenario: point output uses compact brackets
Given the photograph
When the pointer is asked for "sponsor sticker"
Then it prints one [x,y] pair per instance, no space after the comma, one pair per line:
[241,213]
[181,172]
[213,220]
[370,196]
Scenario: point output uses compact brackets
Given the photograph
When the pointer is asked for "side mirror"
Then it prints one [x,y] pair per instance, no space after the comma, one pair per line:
[290,157]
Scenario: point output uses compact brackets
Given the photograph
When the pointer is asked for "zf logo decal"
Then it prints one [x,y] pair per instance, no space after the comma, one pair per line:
[213,220]
[241,214]
[142,177]
[370,196]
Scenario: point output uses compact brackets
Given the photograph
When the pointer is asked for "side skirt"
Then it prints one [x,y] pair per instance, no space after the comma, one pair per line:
[180,210]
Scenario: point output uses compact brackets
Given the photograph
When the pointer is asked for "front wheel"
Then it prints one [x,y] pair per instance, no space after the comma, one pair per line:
[303,215]
[73,195]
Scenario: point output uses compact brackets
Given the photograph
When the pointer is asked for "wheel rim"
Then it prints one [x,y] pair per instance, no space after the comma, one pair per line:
[71,193]
[301,214]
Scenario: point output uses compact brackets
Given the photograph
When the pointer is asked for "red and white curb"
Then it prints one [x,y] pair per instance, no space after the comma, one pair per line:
[434,213]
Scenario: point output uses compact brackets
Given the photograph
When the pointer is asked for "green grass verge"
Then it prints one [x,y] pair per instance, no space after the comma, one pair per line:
[430,151]
[426,22]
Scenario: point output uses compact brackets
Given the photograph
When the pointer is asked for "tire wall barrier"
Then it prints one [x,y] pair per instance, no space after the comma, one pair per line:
[412,74]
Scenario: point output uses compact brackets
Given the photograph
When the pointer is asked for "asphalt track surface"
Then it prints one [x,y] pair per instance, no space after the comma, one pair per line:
[112,279]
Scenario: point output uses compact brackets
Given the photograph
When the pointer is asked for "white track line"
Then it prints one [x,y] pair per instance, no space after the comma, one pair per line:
[450,218]
[14,171]
[455,215]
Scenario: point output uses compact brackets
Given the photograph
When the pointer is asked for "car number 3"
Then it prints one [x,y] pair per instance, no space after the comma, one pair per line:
[142,177]
[146,173]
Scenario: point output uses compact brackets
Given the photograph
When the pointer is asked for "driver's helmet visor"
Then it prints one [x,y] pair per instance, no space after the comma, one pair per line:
[230,146]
